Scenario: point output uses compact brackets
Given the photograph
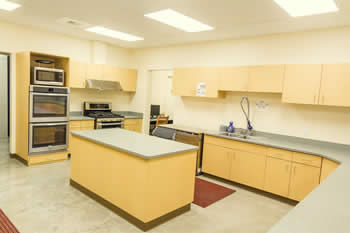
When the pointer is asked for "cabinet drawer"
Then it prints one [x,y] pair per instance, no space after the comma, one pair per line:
[280,154]
[236,145]
[132,121]
[74,124]
[87,124]
[311,160]
[74,128]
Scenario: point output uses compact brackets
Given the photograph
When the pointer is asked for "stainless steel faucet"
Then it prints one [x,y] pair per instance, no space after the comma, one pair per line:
[247,115]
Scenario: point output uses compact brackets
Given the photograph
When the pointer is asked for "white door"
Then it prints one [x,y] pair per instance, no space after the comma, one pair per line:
[3,96]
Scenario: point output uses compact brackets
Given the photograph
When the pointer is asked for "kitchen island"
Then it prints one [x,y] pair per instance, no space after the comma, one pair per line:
[144,179]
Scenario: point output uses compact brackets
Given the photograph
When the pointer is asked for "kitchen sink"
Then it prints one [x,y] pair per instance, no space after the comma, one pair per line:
[239,135]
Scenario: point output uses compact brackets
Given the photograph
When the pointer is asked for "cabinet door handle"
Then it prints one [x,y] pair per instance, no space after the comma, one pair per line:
[287,167]
[314,99]
[295,170]
[307,160]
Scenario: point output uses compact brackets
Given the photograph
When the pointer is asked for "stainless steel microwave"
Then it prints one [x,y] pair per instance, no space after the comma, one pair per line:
[48,104]
[48,76]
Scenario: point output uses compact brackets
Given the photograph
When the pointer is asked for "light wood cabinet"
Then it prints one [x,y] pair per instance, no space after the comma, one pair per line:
[302,84]
[277,176]
[311,160]
[80,125]
[127,78]
[248,168]
[233,78]
[77,74]
[268,78]
[335,85]
[133,125]
[289,174]
[185,81]
[304,179]
[95,71]
[109,73]
[217,160]
[328,167]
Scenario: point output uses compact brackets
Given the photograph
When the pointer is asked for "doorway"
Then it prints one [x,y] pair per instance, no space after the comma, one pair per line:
[160,95]
[4,96]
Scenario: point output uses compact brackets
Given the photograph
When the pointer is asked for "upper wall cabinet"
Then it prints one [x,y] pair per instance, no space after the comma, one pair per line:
[185,81]
[335,85]
[268,78]
[233,78]
[302,84]
[127,78]
[95,71]
[80,72]
[77,74]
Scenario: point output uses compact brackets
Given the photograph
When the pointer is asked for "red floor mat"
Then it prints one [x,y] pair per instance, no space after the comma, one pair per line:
[207,193]
[6,225]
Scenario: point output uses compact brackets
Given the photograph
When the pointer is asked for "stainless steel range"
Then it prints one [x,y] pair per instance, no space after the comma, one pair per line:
[104,118]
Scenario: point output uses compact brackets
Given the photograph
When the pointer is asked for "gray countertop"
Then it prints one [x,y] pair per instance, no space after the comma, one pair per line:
[326,209]
[78,116]
[129,114]
[141,145]
[183,128]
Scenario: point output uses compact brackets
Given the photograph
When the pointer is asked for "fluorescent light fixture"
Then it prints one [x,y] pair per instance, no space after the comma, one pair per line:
[178,20]
[8,6]
[297,8]
[112,33]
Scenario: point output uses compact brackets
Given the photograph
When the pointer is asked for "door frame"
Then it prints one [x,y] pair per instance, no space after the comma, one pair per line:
[8,91]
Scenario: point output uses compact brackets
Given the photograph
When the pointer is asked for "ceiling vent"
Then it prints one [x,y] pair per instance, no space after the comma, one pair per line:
[73,22]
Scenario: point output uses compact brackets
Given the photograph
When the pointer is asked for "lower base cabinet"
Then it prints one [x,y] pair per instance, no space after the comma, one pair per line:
[248,168]
[217,160]
[328,167]
[304,179]
[133,125]
[289,174]
[277,176]
[80,125]
[234,165]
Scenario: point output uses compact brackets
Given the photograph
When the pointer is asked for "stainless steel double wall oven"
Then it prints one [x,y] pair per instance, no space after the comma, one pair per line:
[48,119]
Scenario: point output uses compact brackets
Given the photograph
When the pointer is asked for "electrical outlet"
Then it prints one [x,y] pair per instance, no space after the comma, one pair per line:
[261,105]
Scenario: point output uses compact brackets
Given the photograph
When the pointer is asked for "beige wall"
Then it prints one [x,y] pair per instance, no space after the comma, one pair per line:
[15,38]
[323,123]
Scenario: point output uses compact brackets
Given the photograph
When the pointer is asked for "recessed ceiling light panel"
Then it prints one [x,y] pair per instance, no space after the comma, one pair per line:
[113,33]
[297,8]
[8,6]
[179,21]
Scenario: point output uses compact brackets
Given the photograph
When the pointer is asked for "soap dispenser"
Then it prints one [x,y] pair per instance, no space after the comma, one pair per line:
[231,128]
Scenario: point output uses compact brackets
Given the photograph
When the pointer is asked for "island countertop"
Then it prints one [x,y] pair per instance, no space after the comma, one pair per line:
[141,145]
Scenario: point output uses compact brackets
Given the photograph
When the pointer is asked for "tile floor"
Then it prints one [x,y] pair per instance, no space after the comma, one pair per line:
[39,199]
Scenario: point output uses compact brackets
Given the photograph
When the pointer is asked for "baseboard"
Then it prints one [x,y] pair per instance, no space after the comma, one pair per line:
[19,158]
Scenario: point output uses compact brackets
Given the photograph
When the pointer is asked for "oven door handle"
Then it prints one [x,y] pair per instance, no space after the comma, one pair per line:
[110,123]
[49,94]
[48,124]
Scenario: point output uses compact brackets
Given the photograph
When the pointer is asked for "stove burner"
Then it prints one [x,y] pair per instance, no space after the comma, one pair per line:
[103,115]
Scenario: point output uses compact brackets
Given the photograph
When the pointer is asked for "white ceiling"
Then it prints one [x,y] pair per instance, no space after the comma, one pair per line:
[230,18]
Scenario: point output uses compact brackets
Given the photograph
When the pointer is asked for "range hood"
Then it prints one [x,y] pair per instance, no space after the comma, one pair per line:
[103,85]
